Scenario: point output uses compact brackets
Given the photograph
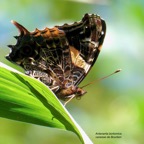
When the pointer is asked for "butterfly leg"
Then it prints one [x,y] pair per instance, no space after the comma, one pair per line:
[67,101]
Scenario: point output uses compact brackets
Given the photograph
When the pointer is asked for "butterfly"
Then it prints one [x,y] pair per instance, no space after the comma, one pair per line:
[61,56]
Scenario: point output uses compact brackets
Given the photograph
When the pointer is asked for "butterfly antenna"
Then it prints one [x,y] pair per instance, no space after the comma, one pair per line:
[118,70]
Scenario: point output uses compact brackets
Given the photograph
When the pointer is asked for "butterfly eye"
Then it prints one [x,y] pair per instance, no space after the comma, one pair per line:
[27,50]
[80,92]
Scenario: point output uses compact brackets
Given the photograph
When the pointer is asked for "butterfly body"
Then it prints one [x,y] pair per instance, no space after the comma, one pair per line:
[62,56]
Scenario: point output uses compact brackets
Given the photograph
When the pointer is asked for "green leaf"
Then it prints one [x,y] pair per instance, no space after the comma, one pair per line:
[26,99]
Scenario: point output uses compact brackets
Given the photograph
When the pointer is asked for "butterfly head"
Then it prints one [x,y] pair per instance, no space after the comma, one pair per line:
[72,91]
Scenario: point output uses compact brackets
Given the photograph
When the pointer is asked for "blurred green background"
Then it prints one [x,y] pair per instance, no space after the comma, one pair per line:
[115,104]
